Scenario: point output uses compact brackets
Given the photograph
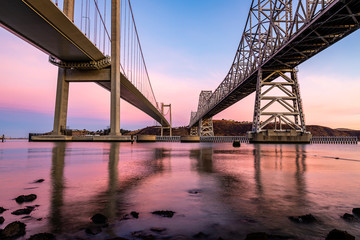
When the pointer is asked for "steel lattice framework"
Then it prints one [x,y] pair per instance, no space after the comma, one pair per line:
[278,36]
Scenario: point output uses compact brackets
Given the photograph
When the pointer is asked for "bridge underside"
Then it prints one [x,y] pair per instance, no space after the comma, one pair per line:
[43,25]
[328,27]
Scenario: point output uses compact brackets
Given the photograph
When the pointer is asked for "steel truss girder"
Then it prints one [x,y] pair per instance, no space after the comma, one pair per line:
[291,113]
[206,127]
[271,36]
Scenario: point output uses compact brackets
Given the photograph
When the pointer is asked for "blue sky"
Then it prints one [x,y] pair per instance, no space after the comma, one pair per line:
[188,46]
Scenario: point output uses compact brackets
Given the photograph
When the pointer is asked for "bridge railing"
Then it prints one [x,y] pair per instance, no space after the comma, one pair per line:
[93,18]
[334,140]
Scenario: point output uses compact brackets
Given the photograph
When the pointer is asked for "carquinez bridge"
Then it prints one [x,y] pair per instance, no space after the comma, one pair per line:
[77,39]
[278,36]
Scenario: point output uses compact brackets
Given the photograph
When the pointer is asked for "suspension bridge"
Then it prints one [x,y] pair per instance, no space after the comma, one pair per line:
[77,39]
[279,35]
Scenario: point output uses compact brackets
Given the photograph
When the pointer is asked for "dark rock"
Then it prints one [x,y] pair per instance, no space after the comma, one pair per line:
[117,238]
[43,236]
[93,230]
[39,219]
[2,210]
[339,235]
[308,218]
[2,220]
[165,213]
[134,214]
[25,198]
[125,217]
[349,217]
[158,229]
[257,236]
[236,143]
[23,211]
[39,180]
[143,235]
[13,230]
[200,235]
[356,211]
[99,219]
[194,191]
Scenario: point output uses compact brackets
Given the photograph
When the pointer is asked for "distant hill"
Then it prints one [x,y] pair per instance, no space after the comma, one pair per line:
[234,128]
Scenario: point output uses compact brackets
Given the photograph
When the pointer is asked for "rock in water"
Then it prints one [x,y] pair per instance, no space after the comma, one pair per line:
[308,218]
[99,219]
[134,214]
[339,235]
[349,217]
[25,198]
[2,210]
[165,213]
[13,230]
[236,143]
[356,211]
[2,220]
[43,236]
[257,236]
[23,211]
[93,230]
[39,180]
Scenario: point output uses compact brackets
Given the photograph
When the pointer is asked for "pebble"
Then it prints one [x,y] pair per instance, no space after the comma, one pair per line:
[23,211]
[2,210]
[158,229]
[356,211]
[349,217]
[39,180]
[2,220]
[93,230]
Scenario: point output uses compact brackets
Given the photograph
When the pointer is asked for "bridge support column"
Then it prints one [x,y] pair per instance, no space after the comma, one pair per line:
[163,106]
[278,111]
[115,69]
[61,105]
[206,127]
[62,91]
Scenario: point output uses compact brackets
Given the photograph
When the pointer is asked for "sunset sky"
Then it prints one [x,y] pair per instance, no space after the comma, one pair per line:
[188,47]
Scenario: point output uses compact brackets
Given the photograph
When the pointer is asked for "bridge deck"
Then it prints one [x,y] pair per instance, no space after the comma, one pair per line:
[327,28]
[42,24]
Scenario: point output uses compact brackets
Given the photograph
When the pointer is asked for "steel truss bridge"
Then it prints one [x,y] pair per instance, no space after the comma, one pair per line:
[77,39]
[279,35]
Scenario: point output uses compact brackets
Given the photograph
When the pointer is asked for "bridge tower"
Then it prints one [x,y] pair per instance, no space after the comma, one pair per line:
[205,126]
[278,103]
[62,92]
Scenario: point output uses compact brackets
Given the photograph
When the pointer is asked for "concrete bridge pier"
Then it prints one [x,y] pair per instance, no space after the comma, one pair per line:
[62,91]
[278,103]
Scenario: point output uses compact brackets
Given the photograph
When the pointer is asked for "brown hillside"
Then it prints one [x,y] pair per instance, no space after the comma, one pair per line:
[234,128]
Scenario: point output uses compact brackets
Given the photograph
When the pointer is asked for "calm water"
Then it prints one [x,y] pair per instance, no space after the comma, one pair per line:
[213,188]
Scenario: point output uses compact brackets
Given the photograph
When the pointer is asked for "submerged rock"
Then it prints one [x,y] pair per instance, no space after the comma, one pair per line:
[25,198]
[200,235]
[143,235]
[134,214]
[165,213]
[349,217]
[339,235]
[43,236]
[356,211]
[158,229]
[93,230]
[39,180]
[2,210]
[2,220]
[99,219]
[308,218]
[257,236]
[194,191]
[13,230]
